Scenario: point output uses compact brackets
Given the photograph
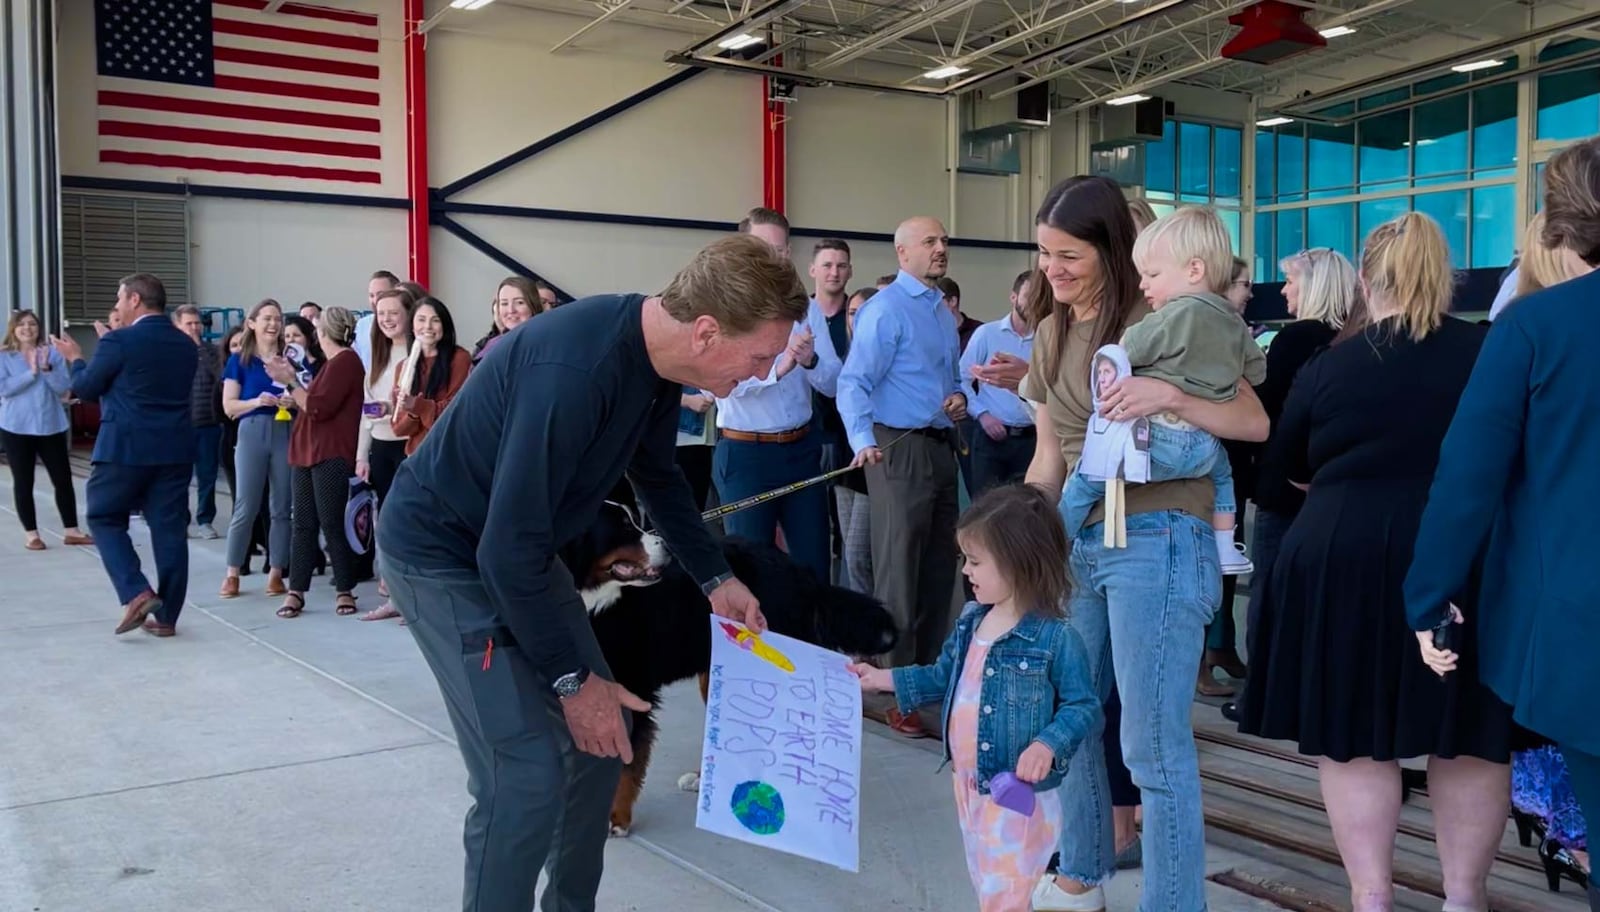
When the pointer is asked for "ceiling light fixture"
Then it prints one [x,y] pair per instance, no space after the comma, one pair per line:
[469,4]
[1128,99]
[1477,65]
[1275,121]
[1338,31]
[742,40]
[944,72]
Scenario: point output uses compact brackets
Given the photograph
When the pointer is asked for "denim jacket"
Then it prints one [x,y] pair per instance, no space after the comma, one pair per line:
[1036,687]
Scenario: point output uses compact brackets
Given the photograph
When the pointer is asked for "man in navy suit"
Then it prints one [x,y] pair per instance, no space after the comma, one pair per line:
[142,375]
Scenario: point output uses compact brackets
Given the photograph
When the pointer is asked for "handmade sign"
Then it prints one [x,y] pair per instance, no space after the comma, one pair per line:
[781,767]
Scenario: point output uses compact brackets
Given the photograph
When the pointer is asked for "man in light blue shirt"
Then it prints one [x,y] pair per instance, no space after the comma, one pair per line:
[1004,448]
[766,436]
[901,375]
[381,281]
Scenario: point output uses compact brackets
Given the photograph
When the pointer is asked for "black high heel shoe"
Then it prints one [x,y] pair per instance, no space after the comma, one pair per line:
[1530,829]
[1559,863]
[1412,781]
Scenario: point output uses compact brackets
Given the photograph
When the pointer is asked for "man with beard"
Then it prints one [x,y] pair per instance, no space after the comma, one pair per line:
[902,375]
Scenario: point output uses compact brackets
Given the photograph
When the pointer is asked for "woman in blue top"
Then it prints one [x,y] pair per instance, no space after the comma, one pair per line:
[1515,489]
[33,424]
[261,455]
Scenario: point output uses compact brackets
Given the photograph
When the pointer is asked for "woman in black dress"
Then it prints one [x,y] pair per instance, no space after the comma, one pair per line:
[1337,668]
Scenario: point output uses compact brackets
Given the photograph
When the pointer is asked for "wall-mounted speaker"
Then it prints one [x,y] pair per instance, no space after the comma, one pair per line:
[1033,104]
[1150,117]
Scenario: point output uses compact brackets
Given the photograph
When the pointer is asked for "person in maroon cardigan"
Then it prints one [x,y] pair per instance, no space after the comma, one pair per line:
[322,454]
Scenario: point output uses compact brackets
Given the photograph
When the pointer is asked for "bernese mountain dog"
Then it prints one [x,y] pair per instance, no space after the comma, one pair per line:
[649,617]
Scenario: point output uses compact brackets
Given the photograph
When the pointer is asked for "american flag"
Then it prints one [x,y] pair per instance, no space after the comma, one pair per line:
[226,86]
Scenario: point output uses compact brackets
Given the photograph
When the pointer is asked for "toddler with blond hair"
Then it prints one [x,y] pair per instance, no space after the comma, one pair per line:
[1195,341]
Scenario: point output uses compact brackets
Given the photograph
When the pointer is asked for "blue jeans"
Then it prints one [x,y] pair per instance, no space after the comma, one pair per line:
[207,459]
[742,469]
[1174,454]
[1142,612]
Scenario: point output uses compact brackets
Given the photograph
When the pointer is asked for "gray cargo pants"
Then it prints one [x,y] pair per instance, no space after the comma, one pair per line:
[538,802]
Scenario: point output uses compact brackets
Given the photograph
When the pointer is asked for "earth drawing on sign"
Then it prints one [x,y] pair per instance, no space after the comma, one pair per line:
[759,807]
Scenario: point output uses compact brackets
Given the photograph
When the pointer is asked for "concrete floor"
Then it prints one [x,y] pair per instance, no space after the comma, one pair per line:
[253,763]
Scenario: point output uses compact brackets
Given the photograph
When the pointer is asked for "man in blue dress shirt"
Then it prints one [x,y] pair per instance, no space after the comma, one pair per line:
[1003,449]
[765,435]
[902,375]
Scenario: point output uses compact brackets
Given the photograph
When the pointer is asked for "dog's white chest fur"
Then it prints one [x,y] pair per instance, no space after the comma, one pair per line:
[602,597]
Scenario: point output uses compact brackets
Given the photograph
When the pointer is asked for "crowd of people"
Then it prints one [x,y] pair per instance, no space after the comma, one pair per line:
[1415,588]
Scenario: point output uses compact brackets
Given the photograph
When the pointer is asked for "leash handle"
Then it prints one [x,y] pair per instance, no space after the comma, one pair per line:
[787,489]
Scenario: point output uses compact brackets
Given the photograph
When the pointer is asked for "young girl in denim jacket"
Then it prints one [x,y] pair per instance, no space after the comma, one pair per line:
[1014,681]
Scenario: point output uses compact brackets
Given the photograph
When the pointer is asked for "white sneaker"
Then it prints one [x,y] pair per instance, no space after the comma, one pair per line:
[209,532]
[1234,563]
[1047,897]
[194,532]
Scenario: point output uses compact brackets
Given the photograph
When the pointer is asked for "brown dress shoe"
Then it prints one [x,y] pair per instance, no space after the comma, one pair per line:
[275,584]
[908,724]
[137,610]
[77,540]
[156,628]
[230,587]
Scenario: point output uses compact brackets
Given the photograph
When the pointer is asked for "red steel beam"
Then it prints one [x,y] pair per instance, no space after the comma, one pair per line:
[416,142]
[774,167]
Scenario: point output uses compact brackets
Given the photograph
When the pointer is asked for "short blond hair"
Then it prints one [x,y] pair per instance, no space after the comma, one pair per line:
[1406,262]
[1329,288]
[741,282]
[1192,233]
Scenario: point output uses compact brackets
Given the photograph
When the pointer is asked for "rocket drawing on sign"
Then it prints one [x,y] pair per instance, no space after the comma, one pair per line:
[749,642]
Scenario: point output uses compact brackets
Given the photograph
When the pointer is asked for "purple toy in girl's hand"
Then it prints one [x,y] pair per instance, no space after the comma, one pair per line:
[1012,793]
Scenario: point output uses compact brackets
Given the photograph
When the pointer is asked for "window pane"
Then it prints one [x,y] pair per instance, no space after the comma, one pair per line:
[1230,220]
[1291,164]
[1494,225]
[1383,98]
[1332,154]
[1569,104]
[1266,263]
[1538,182]
[1494,126]
[1266,167]
[1375,213]
[1161,209]
[1291,234]
[1385,150]
[1440,143]
[1160,162]
[1225,163]
[1194,160]
[1449,209]
[1332,226]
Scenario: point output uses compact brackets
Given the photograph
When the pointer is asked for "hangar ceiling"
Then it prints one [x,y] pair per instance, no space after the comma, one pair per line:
[1092,50]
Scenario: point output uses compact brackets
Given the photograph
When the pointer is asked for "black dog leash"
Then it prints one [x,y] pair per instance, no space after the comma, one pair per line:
[788,489]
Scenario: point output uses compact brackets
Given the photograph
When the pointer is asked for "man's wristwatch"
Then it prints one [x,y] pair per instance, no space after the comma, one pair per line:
[815,360]
[570,683]
[710,585]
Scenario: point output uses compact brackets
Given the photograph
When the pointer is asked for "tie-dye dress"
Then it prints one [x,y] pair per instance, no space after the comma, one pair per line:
[1006,852]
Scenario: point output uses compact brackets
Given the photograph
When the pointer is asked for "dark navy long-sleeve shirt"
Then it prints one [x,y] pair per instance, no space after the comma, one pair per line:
[521,461]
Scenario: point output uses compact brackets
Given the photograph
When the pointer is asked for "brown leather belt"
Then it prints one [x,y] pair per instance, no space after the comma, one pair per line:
[789,436]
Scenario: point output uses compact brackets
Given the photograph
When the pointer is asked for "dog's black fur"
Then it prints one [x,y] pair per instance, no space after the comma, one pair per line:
[656,634]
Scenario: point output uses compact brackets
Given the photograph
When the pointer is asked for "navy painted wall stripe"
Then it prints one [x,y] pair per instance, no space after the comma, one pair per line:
[657,221]
[251,193]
